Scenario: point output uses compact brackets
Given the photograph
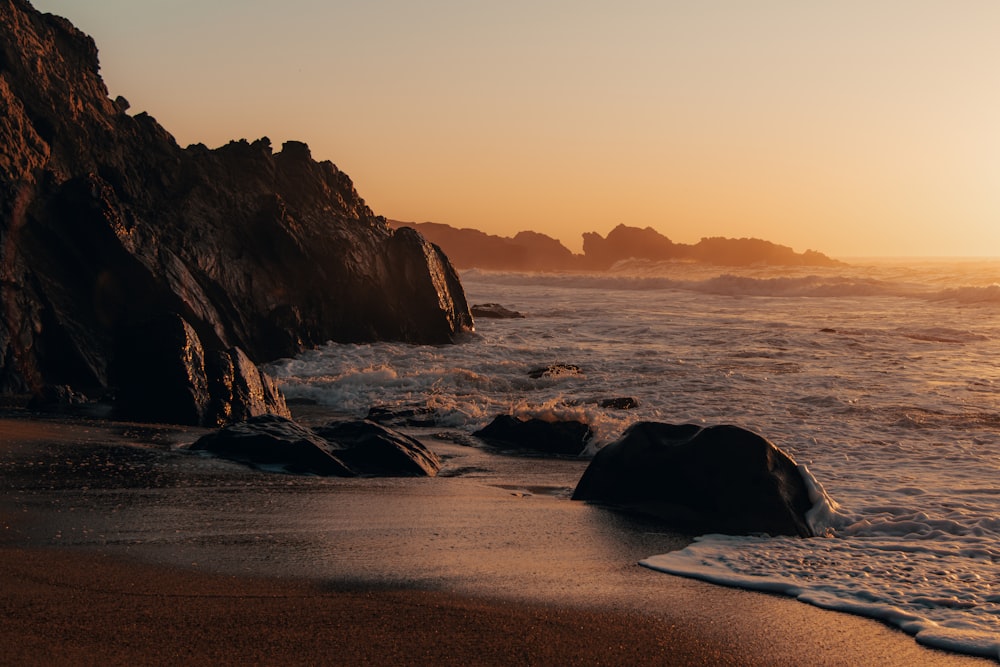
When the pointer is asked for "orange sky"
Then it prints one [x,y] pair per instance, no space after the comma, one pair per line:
[851,127]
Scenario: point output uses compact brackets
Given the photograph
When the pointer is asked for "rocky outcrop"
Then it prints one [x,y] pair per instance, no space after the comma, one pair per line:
[561,438]
[339,449]
[105,223]
[532,251]
[717,479]
[624,242]
[163,374]
[467,248]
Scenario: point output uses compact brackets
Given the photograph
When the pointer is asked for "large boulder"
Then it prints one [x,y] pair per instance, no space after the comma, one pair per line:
[342,449]
[561,438]
[716,479]
[105,222]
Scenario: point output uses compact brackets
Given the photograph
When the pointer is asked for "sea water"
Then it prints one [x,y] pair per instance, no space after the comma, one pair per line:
[879,378]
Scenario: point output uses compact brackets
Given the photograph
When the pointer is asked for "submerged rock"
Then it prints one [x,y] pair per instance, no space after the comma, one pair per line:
[620,403]
[342,449]
[717,479]
[553,370]
[495,311]
[415,416]
[563,438]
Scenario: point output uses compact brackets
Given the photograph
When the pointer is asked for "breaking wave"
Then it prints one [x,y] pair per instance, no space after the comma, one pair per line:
[758,282]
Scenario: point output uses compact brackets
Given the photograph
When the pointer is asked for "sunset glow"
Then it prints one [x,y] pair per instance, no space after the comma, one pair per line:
[851,128]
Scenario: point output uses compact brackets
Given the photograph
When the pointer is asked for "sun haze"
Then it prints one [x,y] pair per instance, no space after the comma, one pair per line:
[852,128]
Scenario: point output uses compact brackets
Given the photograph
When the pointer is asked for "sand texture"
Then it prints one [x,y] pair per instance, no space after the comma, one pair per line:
[116,546]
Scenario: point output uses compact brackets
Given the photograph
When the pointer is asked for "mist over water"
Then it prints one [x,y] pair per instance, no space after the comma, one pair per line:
[880,378]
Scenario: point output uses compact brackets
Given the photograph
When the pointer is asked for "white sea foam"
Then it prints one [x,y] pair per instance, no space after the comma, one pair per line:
[881,381]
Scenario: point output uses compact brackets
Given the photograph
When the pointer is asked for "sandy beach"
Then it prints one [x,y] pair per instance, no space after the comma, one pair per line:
[117,546]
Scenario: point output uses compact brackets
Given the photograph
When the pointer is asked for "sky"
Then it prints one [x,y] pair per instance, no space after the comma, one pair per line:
[855,127]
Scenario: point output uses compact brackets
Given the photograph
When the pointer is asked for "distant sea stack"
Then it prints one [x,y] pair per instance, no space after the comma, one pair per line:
[532,251]
[106,223]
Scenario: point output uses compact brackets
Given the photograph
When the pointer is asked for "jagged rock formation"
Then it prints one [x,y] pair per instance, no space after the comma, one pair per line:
[625,242]
[531,251]
[106,222]
[467,248]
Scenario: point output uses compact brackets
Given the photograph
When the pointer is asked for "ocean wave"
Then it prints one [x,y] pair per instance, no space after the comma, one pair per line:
[943,597]
[942,335]
[990,294]
[725,284]
[851,281]
[804,286]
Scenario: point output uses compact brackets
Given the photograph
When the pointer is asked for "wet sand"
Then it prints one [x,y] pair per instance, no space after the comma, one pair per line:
[116,547]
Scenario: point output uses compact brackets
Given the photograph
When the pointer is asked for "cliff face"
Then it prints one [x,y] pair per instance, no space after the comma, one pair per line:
[105,222]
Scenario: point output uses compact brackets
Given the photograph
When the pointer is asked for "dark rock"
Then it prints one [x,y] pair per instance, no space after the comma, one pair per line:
[105,222]
[165,376]
[273,441]
[418,416]
[343,449]
[532,251]
[719,479]
[239,389]
[372,449]
[428,302]
[160,370]
[563,438]
[620,403]
[554,370]
[495,310]
[624,242]
[527,251]
[56,398]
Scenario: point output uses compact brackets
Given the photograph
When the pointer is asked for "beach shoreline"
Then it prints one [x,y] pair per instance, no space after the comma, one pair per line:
[111,600]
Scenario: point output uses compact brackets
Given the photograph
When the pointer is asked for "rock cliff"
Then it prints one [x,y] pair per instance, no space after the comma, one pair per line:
[105,223]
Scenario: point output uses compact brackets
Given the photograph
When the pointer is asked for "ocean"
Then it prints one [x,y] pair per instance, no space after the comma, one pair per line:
[880,377]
